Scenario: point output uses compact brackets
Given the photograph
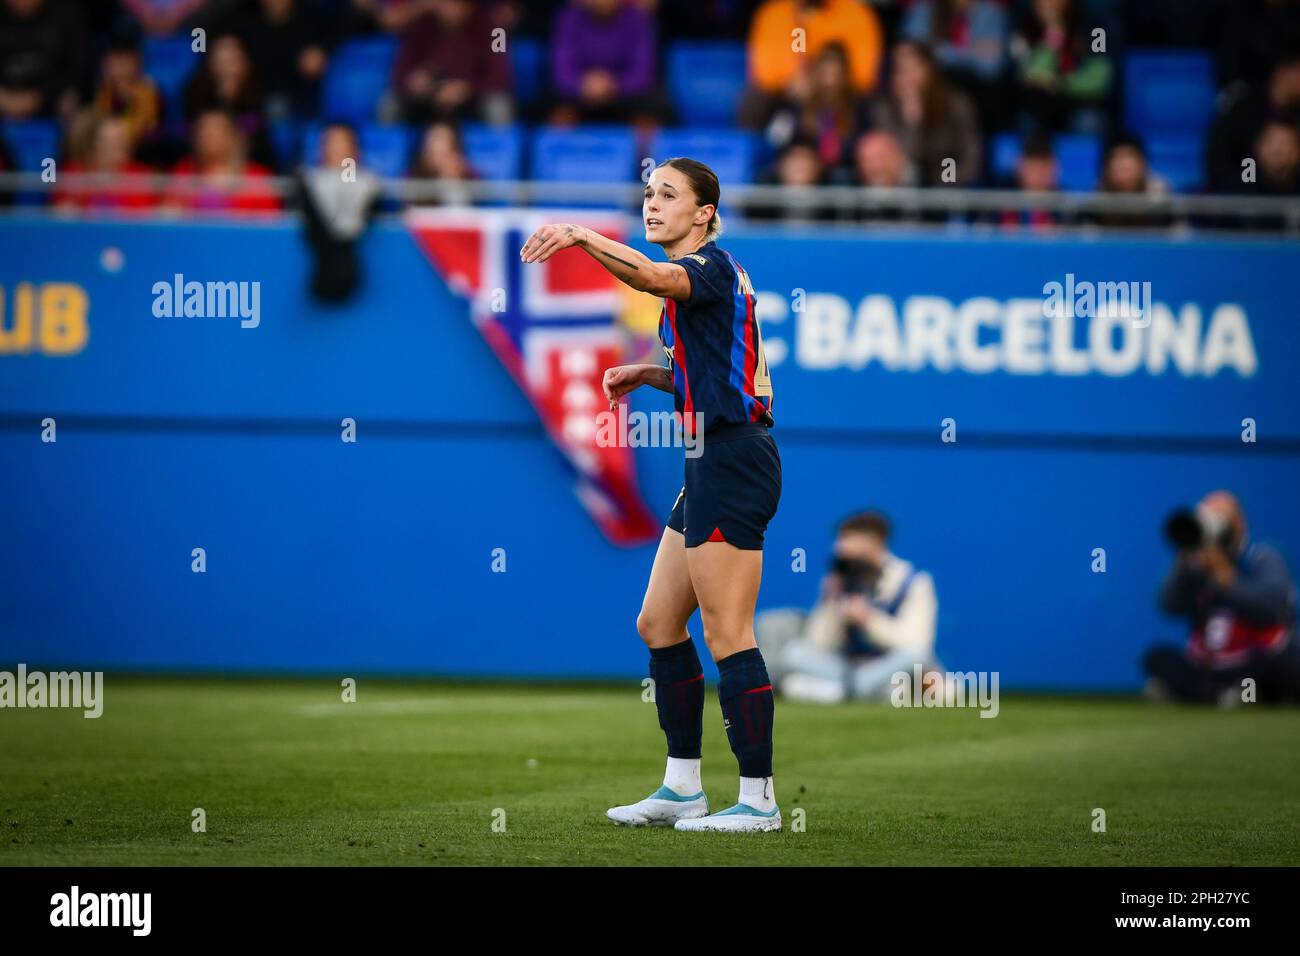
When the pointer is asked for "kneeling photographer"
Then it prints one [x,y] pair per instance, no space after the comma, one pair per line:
[875,618]
[1240,600]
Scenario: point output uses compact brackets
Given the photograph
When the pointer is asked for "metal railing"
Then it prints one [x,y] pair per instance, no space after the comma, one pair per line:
[822,205]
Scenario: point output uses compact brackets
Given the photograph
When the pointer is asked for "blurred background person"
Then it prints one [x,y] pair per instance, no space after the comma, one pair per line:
[102,145]
[339,198]
[879,161]
[776,60]
[1235,133]
[797,168]
[603,55]
[127,92]
[1063,85]
[1240,600]
[286,40]
[1253,36]
[875,618]
[1278,149]
[441,157]
[446,66]
[44,58]
[1037,170]
[227,180]
[970,40]
[823,108]
[932,121]
[1277,153]
[227,81]
[1125,172]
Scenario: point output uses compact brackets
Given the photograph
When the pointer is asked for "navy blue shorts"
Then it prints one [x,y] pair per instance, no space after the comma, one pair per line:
[731,490]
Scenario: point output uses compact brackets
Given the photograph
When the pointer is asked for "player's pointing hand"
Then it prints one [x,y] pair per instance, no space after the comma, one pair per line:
[550,239]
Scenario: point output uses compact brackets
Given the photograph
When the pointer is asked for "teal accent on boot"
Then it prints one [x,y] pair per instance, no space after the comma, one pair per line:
[664,793]
[747,810]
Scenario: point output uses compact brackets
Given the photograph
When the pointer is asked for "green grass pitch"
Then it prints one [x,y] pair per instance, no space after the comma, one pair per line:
[416,773]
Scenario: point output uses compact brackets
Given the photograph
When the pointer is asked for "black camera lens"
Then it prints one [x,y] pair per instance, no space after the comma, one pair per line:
[1183,530]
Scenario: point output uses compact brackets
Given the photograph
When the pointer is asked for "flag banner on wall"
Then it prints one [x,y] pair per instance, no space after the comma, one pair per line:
[556,326]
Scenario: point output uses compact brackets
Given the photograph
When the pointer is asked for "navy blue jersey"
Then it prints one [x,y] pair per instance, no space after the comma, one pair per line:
[714,347]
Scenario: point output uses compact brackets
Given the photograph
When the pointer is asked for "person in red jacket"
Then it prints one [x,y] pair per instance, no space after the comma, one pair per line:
[224,178]
[109,155]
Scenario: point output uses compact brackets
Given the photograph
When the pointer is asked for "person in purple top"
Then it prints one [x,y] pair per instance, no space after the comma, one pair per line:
[603,56]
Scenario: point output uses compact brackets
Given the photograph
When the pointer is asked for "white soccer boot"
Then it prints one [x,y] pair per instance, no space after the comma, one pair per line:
[662,808]
[742,818]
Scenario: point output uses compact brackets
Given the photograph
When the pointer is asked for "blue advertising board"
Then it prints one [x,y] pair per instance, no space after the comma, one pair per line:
[1081,415]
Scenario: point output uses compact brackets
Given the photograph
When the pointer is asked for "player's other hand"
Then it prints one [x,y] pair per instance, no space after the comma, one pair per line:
[550,239]
[620,380]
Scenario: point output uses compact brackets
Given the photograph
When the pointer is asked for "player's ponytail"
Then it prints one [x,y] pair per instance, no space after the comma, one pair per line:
[704,183]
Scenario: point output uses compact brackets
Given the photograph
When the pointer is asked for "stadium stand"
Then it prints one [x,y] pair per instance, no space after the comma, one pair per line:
[1166,97]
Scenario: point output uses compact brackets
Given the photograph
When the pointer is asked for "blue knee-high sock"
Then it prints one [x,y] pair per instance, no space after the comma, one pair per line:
[745,693]
[679,697]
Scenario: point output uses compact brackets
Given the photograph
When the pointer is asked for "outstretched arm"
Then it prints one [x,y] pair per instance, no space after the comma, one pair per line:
[622,262]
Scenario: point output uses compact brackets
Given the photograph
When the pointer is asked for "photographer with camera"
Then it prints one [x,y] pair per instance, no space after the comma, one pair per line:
[875,617]
[1240,600]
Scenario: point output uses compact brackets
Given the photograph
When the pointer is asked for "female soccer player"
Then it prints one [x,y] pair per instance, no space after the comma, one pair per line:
[711,552]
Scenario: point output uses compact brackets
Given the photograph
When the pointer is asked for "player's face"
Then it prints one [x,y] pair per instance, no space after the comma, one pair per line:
[669,210]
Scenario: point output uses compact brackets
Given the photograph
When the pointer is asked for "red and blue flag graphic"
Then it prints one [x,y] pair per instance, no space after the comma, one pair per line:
[554,327]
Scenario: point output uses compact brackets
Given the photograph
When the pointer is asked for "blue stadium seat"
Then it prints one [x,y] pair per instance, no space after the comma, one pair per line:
[286,142]
[1079,157]
[585,154]
[385,149]
[30,143]
[705,81]
[357,78]
[528,63]
[1169,92]
[1004,154]
[495,152]
[1178,159]
[730,153]
[170,61]
[1077,154]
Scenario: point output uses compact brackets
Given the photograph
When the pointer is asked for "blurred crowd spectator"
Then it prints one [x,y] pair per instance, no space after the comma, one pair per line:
[446,67]
[603,64]
[930,93]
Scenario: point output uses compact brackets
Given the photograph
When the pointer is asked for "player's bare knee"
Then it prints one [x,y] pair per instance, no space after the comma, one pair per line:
[655,631]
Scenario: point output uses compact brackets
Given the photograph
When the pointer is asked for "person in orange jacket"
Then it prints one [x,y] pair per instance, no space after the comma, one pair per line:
[785,37]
